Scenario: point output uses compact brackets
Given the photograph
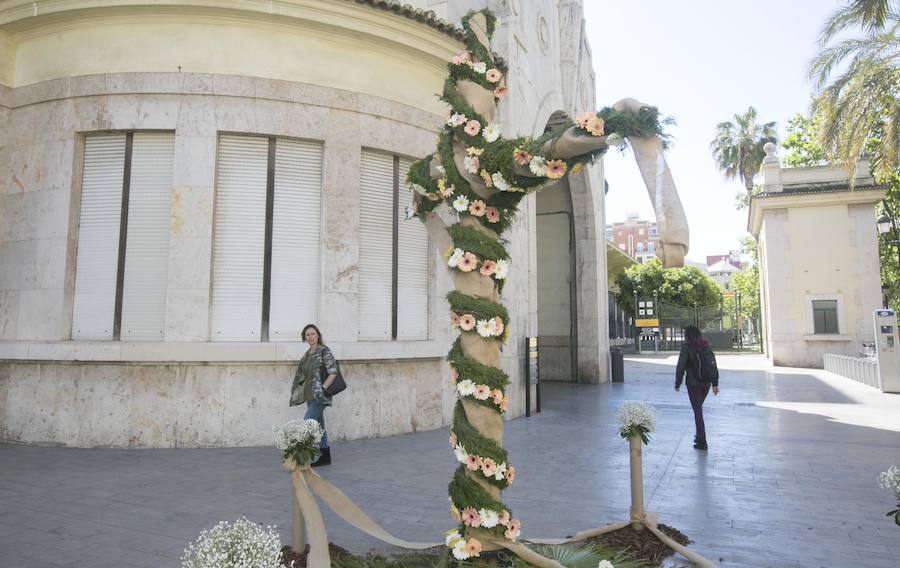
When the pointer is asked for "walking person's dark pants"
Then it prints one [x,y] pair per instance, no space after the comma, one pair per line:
[698,395]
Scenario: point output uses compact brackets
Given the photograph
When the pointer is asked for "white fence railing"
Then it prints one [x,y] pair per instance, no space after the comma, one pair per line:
[861,369]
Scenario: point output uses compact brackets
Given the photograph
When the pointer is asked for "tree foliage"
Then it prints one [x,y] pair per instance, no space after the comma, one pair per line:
[738,145]
[686,286]
[802,142]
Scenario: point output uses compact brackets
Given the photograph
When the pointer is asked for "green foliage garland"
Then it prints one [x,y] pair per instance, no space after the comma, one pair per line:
[476,444]
[471,240]
[465,492]
[481,309]
[476,372]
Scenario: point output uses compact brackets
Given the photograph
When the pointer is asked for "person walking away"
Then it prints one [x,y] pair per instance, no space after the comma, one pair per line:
[315,373]
[698,362]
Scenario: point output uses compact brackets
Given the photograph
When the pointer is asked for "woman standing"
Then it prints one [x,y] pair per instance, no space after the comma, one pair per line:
[315,373]
[689,361]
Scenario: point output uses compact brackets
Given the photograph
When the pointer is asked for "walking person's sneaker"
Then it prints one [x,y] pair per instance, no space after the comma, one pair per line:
[324,459]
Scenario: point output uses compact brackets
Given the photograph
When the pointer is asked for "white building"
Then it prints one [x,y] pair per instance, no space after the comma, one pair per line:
[184,186]
[818,254]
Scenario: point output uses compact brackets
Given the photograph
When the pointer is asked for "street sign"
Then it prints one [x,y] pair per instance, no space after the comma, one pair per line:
[646,322]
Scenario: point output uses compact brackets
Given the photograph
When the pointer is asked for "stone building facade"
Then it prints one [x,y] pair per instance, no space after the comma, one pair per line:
[635,237]
[183,187]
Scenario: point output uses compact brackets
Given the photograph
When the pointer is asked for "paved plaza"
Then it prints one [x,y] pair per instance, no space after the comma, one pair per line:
[789,480]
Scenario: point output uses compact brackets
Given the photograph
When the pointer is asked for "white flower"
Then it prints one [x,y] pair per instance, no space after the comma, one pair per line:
[452,537]
[489,518]
[890,480]
[615,139]
[418,189]
[461,203]
[459,550]
[502,269]
[485,328]
[499,182]
[410,213]
[460,452]
[501,472]
[636,415]
[455,257]
[491,132]
[466,387]
[480,67]
[537,166]
[456,119]
[605,564]
[472,164]
[298,432]
[441,169]
[241,543]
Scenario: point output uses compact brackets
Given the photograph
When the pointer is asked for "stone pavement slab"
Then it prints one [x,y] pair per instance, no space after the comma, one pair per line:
[789,480]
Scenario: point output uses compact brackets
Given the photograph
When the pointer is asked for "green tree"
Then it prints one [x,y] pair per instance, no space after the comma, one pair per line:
[738,145]
[802,142]
[857,83]
[686,286]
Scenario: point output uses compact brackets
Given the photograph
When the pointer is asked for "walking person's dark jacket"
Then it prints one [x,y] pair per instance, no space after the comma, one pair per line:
[690,365]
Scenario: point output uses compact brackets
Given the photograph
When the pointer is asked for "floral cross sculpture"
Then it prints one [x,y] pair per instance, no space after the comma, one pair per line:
[467,194]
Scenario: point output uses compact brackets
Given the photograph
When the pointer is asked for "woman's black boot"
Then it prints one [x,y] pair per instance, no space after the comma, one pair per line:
[324,459]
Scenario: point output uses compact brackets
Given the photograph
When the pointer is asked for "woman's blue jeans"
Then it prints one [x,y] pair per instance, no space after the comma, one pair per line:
[316,411]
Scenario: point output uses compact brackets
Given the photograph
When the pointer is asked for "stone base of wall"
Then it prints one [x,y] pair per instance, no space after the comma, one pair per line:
[810,354]
[555,361]
[207,405]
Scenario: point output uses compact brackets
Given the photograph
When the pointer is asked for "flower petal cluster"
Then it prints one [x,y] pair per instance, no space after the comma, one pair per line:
[636,419]
[462,548]
[299,439]
[242,543]
[890,480]
[468,388]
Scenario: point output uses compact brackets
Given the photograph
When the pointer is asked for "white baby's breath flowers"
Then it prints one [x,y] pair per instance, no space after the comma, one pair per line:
[636,419]
[297,432]
[890,480]
[242,544]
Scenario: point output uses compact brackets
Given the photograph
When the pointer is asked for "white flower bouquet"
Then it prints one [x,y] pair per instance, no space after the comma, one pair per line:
[243,544]
[299,439]
[636,419]
[890,480]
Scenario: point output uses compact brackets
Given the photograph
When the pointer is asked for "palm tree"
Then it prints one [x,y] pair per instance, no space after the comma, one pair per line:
[859,110]
[738,146]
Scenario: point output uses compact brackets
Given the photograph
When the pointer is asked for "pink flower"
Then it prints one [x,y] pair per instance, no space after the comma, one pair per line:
[504,404]
[488,467]
[470,517]
[453,440]
[488,267]
[497,395]
[473,547]
[500,92]
[462,58]
[514,530]
[595,126]
[473,462]
[468,262]
[583,119]
[477,208]
[498,325]
[467,322]
[504,518]
[493,75]
[454,319]
[521,156]
[510,474]
[473,127]
[482,392]
[556,169]
[493,214]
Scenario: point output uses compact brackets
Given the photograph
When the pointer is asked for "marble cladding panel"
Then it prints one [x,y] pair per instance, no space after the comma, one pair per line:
[192,211]
[189,262]
[9,313]
[37,214]
[195,161]
[205,405]
[40,315]
[187,315]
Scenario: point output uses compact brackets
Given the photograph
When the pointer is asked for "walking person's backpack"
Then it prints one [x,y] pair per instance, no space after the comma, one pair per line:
[708,370]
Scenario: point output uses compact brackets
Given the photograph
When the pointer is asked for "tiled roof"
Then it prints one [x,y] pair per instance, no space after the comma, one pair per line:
[818,188]
[427,17]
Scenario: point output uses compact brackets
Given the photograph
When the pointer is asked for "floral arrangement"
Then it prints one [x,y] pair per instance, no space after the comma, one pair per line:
[229,545]
[481,177]
[890,480]
[636,419]
[299,440]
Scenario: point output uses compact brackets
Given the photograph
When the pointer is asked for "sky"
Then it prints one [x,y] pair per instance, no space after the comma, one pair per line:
[701,62]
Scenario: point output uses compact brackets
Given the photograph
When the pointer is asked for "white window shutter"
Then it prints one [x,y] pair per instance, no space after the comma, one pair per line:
[295,238]
[98,237]
[376,220]
[239,238]
[147,237]
[412,268]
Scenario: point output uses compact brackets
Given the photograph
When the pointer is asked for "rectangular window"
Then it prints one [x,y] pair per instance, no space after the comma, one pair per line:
[609,233]
[641,231]
[640,247]
[393,254]
[621,246]
[265,278]
[825,316]
[651,247]
[652,231]
[123,236]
